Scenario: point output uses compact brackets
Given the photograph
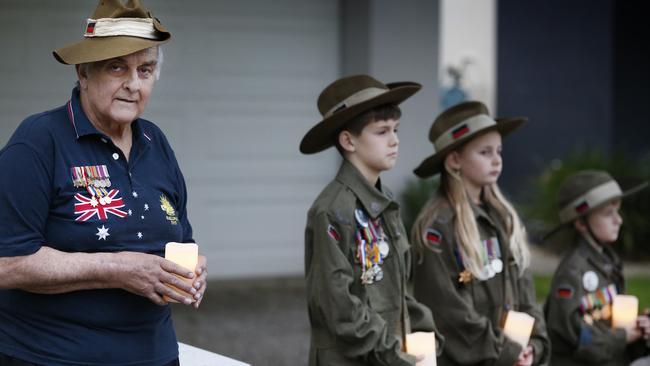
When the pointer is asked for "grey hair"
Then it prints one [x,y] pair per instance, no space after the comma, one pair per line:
[86,67]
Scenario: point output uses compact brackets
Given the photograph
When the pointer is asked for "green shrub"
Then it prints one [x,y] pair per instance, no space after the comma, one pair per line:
[542,206]
[416,193]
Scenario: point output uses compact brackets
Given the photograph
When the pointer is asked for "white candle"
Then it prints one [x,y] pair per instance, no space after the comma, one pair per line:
[519,327]
[185,255]
[422,343]
[625,309]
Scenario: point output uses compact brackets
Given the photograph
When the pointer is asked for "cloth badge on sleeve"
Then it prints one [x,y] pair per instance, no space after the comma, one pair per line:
[331,231]
[434,238]
[564,292]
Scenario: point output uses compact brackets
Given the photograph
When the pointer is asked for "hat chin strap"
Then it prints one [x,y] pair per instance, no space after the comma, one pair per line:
[590,237]
[111,27]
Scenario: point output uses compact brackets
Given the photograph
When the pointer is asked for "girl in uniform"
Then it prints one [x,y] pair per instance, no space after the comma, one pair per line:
[472,254]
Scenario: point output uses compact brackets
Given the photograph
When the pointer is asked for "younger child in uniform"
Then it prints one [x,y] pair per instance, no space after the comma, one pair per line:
[472,254]
[578,308]
[356,249]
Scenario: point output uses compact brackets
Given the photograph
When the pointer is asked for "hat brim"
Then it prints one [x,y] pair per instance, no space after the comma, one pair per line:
[321,136]
[564,225]
[434,163]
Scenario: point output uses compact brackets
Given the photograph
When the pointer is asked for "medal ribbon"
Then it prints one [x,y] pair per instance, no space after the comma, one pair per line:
[599,298]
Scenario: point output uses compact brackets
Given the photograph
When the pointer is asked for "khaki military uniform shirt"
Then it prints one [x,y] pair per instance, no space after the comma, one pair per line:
[578,308]
[470,312]
[354,323]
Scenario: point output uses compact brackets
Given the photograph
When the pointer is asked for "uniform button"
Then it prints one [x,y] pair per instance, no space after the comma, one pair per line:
[116,156]
[104,140]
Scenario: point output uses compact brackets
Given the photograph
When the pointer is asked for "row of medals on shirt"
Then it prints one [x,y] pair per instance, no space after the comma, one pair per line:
[604,313]
[372,247]
[95,183]
[492,263]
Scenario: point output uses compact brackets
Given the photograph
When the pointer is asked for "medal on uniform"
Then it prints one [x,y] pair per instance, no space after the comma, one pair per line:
[493,250]
[91,177]
[372,247]
[596,314]
[465,277]
[590,281]
[378,273]
[606,311]
[384,249]
[361,217]
[488,271]
[497,265]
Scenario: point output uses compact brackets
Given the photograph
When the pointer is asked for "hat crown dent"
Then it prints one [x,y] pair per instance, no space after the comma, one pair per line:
[454,116]
[119,9]
[343,88]
[579,184]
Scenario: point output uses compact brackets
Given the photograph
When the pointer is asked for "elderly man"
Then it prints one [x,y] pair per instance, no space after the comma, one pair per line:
[89,195]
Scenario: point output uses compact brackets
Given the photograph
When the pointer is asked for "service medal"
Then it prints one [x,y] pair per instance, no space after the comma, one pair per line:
[590,281]
[378,273]
[384,249]
[488,271]
[361,217]
[465,276]
[366,277]
[497,265]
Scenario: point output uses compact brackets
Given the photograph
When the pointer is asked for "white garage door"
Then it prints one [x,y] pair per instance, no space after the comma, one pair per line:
[237,92]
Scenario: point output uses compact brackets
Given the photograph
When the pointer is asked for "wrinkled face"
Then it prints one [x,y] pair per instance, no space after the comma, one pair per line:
[376,146]
[605,222]
[479,161]
[116,91]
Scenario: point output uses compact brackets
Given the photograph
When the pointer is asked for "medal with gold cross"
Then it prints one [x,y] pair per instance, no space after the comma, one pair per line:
[372,247]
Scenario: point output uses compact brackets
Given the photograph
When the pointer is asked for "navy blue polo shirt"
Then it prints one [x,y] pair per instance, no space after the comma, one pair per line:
[139,205]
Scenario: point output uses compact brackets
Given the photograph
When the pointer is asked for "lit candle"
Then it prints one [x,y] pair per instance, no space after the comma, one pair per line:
[422,343]
[519,327]
[185,255]
[625,309]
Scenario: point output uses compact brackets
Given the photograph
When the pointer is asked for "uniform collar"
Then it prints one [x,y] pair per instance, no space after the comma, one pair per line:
[601,257]
[483,211]
[83,127]
[373,200]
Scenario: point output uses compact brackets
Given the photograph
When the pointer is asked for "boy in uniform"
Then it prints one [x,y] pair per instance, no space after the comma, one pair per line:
[579,306]
[357,254]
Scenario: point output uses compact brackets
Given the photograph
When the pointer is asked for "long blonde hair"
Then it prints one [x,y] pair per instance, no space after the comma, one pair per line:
[465,228]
